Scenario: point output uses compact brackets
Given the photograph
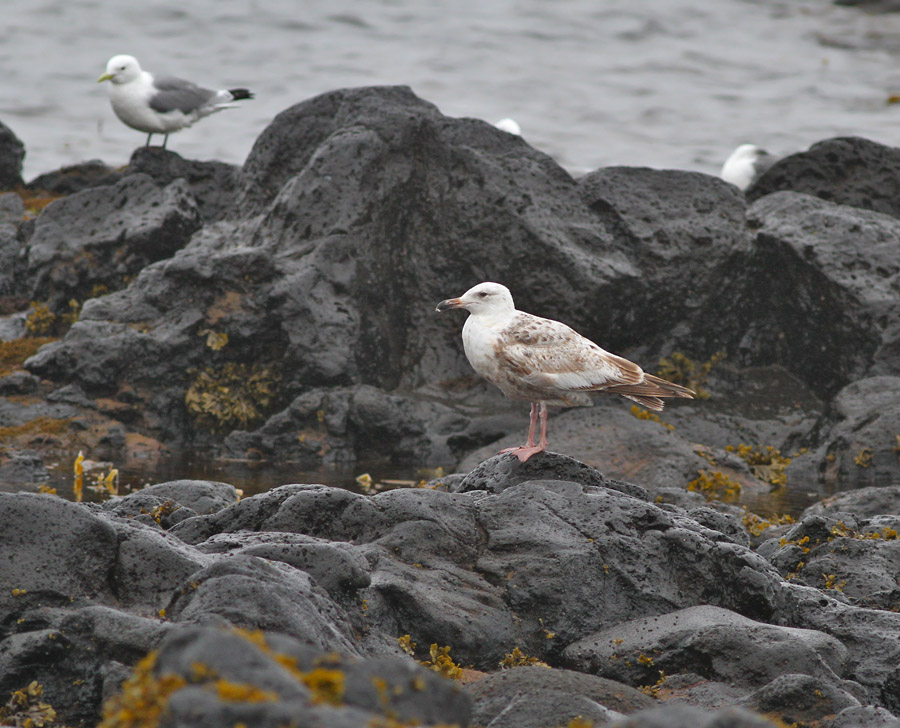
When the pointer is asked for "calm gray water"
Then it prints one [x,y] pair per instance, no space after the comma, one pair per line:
[663,83]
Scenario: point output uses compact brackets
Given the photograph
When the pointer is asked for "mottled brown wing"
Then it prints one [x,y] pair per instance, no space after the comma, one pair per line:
[550,354]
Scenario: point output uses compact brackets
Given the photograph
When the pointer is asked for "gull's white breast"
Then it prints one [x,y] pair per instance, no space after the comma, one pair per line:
[131,103]
[480,340]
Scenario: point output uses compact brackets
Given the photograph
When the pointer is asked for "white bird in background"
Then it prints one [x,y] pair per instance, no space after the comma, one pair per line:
[161,105]
[546,362]
[510,126]
[746,165]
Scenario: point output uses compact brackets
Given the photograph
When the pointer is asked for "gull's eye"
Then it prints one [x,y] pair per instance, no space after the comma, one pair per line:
[483,294]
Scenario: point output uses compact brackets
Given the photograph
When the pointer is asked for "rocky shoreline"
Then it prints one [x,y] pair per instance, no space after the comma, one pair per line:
[283,311]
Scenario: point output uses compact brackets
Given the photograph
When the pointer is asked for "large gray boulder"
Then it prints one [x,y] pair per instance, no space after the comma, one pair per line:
[538,696]
[846,170]
[714,643]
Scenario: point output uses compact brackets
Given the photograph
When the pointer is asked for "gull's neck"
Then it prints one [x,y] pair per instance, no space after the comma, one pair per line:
[495,317]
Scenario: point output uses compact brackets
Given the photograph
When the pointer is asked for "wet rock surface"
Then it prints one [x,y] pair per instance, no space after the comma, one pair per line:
[284,312]
[305,588]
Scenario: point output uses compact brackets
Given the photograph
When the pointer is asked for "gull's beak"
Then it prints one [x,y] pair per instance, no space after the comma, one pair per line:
[105,77]
[450,303]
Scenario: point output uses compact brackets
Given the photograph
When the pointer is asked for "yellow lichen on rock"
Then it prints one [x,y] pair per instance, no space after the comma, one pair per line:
[327,686]
[143,697]
[40,319]
[757,524]
[14,353]
[767,463]
[39,426]
[714,485]
[643,414]
[26,709]
[230,396]
[442,663]
[517,658]
[680,369]
[232,692]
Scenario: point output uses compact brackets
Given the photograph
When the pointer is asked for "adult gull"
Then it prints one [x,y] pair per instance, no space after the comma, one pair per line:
[161,105]
[546,362]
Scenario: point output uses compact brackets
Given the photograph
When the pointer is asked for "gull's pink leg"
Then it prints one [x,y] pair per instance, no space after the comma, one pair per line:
[543,442]
[529,448]
[531,427]
[531,424]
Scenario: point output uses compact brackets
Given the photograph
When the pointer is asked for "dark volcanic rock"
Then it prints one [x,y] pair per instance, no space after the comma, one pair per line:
[552,566]
[12,209]
[212,184]
[75,178]
[11,261]
[283,671]
[861,504]
[201,496]
[800,698]
[719,645]
[858,272]
[819,306]
[51,562]
[504,570]
[250,592]
[504,471]
[860,558]
[339,568]
[359,192]
[686,716]
[287,311]
[673,219]
[847,170]
[104,235]
[19,382]
[867,716]
[21,467]
[855,440]
[344,424]
[618,439]
[78,655]
[12,153]
[539,696]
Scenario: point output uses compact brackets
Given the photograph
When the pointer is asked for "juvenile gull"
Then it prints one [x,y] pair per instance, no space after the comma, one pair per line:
[746,165]
[546,362]
[161,105]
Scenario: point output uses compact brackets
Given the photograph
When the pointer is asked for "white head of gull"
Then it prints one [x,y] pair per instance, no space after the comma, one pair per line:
[745,165]
[161,105]
[545,362]
[510,126]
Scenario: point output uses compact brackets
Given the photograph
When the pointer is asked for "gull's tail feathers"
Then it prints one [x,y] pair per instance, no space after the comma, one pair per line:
[650,391]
